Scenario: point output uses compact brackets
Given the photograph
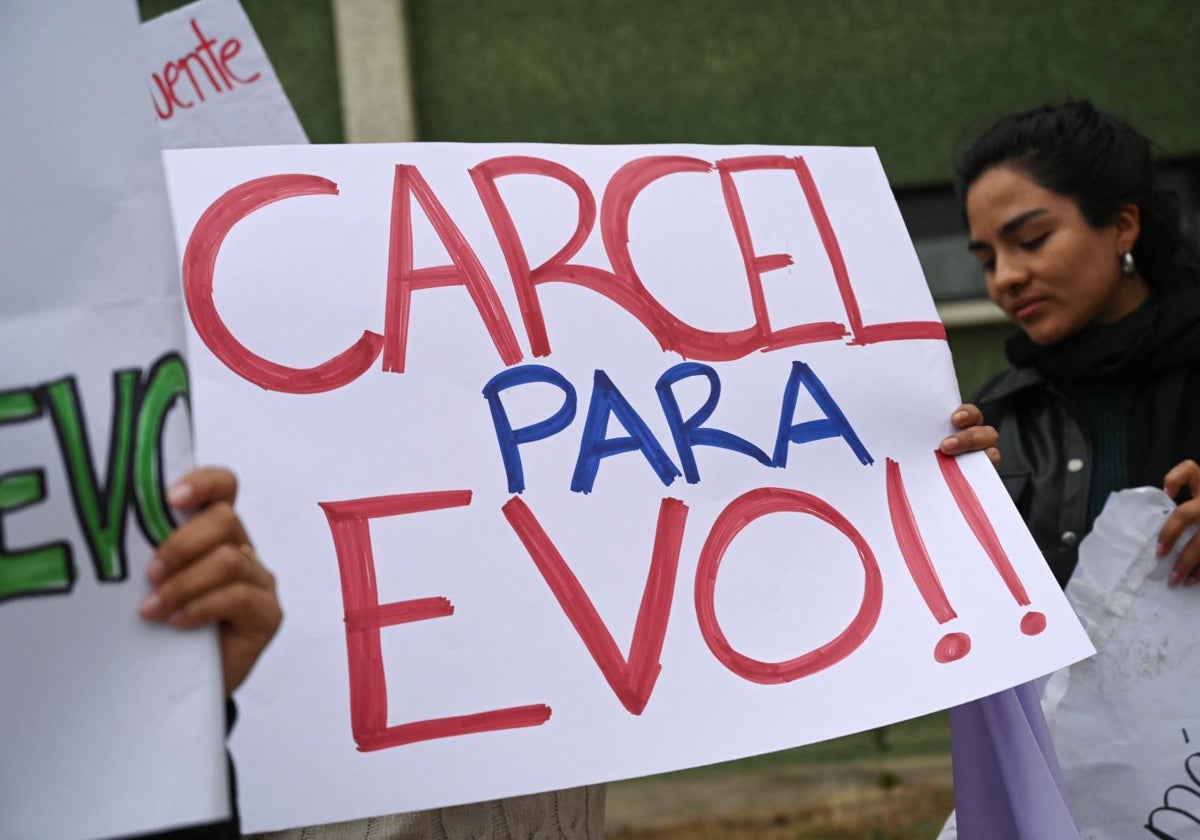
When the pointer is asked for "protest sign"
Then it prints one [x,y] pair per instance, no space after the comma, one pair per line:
[581,463]
[211,83]
[110,726]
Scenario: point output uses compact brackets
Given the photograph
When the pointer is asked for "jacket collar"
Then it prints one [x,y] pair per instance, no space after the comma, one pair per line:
[1004,385]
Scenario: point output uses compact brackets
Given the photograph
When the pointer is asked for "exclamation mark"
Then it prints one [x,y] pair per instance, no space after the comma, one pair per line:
[1032,622]
[952,646]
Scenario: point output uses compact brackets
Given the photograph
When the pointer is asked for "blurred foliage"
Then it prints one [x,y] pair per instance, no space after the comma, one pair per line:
[909,77]
[299,41]
[890,809]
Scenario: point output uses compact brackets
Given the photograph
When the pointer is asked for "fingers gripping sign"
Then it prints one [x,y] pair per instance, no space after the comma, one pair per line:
[1185,475]
[207,571]
[971,435]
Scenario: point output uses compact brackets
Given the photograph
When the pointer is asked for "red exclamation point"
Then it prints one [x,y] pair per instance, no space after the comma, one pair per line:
[952,646]
[1032,622]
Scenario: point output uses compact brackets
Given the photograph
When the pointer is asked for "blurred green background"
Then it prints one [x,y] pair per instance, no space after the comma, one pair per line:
[911,78]
[908,77]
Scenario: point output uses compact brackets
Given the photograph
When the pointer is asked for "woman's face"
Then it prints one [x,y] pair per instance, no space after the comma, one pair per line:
[1051,271]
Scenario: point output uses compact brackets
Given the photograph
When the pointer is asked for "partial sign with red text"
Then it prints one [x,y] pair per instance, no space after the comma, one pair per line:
[210,81]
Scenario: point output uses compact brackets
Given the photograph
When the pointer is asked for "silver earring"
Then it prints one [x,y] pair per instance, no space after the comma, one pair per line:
[1128,268]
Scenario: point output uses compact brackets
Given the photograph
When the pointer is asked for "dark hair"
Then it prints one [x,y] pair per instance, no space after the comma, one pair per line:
[1093,157]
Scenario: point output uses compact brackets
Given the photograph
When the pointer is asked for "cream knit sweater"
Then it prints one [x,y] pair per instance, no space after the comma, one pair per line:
[576,814]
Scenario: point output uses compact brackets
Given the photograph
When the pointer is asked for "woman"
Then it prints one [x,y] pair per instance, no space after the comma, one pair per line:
[1085,254]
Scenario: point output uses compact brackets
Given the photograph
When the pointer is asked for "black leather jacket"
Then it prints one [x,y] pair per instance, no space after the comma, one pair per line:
[1151,361]
[1045,461]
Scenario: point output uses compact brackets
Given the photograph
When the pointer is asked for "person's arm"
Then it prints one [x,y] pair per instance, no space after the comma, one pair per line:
[207,571]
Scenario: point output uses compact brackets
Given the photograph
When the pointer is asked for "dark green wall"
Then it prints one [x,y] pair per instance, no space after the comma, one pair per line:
[978,354]
[908,76]
[298,38]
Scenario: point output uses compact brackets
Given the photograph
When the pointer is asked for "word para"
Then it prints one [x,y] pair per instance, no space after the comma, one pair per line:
[133,474]
[203,59]
[607,401]
[621,284]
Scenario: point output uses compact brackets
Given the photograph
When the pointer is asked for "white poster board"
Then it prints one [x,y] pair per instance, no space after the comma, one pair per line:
[210,81]
[109,725]
[471,392]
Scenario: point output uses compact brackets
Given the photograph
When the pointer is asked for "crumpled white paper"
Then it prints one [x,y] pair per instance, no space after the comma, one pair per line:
[1126,722]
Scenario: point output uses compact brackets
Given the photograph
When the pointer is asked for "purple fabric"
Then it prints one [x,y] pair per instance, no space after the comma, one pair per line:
[1007,782]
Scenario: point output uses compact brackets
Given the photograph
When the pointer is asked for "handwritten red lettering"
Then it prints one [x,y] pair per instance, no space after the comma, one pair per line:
[757,265]
[621,284]
[1032,622]
[198,65]
[952,646]
[737,515]
[229,50]
[349,522]
[199,264]
[466,271]
[623,189]
[632,680]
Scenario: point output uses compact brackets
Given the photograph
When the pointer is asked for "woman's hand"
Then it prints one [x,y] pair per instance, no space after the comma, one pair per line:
[972,435]
[1187,567]
[207,571]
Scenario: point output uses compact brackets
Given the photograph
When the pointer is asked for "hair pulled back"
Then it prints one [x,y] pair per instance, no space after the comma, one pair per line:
[1100,161]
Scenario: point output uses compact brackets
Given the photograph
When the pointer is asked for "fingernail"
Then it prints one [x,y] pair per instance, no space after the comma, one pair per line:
[150,605]
[180,494]
[1160,550]
[949,445]
[156,571]
[177,619]
[959,416]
